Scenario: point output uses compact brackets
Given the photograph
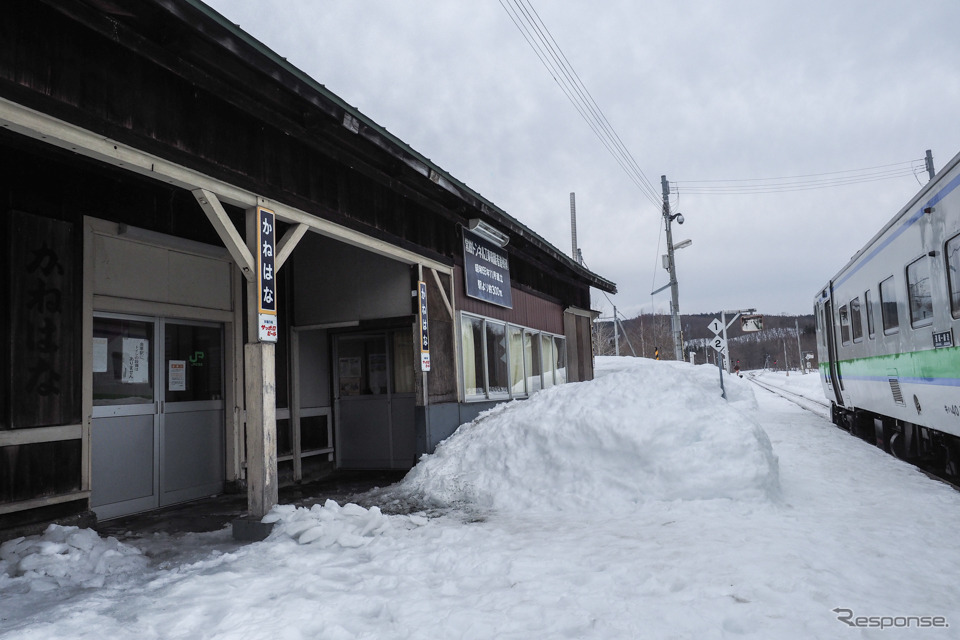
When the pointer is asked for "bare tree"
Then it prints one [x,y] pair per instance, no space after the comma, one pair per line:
[603,338]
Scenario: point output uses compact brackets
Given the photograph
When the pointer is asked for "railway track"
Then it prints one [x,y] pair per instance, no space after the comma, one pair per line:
[822,409]
[819,407]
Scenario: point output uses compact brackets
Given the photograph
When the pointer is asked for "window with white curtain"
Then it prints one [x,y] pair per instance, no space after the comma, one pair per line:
[560,359]
[531,358]
[471,341]
[497,367]
[502,360]
[546,357]
[518,380]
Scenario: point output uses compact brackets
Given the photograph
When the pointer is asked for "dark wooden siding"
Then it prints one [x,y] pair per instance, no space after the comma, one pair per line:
[162,83]
[528,310]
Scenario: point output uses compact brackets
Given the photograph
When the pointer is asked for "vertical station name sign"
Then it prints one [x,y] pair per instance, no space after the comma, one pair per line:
[266,276]
[486,270]
[424,335]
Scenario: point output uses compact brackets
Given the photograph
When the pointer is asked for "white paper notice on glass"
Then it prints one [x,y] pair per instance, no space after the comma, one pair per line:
[100,355]
[136,361]
[177,375]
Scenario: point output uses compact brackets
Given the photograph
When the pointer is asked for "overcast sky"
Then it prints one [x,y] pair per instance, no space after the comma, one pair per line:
[697,91]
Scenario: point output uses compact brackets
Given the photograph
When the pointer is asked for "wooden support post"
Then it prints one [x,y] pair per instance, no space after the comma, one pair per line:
[261,391]
[443,294]
[241,253]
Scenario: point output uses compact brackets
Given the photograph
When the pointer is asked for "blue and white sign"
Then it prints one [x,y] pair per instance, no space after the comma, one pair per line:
[487,271]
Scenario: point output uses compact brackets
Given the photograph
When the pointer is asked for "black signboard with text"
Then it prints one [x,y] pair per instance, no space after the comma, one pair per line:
[266,275]
[266,242]
[424,327]
[486,270]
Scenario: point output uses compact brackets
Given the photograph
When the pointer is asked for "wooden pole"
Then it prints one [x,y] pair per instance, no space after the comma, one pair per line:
[261,391]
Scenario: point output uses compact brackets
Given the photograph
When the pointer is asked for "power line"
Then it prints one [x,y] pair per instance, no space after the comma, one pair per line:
[538,36]
[597,111]
[803,182]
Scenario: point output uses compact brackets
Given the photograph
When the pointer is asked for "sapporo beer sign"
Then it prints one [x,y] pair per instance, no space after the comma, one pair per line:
[266,275]
[486,270]
[424,335]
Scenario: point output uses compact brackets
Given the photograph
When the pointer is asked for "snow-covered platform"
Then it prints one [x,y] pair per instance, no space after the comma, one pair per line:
[637,505]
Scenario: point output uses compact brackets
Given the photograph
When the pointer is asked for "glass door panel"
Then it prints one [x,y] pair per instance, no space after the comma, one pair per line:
[125,418]
[192,420]
[122,357]
[194,362]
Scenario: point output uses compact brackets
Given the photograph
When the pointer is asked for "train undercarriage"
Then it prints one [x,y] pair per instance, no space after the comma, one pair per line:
[931,450]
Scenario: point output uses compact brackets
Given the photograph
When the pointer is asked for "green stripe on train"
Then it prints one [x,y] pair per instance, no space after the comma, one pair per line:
[932,363]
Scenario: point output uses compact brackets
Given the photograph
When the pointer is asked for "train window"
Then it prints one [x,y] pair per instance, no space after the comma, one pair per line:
[816,314]
[888,306]
[953,273]
[919,292]
[868,304]
[856,321]
[844,325]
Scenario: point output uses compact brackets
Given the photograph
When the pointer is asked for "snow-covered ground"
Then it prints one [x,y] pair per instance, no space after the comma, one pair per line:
[805,384]
[639,505]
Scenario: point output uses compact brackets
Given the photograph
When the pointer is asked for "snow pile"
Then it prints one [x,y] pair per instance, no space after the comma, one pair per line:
[643,430]
[331,525]
[66,556]
[670,568]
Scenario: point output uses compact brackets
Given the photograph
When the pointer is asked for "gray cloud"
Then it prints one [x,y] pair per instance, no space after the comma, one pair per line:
[696,90]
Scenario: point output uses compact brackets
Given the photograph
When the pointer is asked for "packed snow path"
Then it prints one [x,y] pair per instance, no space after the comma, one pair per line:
[512,547]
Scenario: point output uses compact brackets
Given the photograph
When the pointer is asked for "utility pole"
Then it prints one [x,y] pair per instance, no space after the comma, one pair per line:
[616,334]
[928,160]
[803,368]
[672,268]
[575,251]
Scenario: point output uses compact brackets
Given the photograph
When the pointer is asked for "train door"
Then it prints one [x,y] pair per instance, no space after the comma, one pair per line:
[834,382]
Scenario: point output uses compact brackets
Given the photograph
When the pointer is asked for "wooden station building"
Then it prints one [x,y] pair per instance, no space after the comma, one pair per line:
[220,276]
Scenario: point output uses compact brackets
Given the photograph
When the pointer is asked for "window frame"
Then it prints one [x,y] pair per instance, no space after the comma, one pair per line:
[953,281]
[843,315]
[532,360]
[489,352]
[856,321]
[923,320]
[479,373]
[509,328]
[523,391]
[889,327]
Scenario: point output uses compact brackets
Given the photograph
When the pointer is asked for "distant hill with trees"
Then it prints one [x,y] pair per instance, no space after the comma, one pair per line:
[775,346]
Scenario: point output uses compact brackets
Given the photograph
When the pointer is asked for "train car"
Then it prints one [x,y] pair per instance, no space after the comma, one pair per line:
[887,326]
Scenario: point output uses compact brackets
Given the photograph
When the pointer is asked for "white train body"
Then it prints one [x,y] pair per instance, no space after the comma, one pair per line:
[887,328]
